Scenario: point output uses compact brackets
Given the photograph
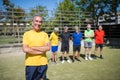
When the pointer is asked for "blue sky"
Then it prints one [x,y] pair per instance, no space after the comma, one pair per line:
[26,4]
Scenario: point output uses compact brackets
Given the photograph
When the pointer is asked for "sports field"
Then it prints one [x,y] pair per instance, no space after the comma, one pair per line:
[12,66]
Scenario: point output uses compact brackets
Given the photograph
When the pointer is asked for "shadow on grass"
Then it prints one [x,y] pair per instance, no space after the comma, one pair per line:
[71,57]
[82,56]
[47,79]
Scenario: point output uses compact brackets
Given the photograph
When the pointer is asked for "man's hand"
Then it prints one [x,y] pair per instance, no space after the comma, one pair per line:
[29,50]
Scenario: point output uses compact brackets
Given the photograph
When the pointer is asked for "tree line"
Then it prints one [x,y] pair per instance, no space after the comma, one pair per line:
[95,9]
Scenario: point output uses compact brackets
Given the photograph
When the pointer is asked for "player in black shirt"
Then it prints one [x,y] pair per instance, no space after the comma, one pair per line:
[64,38]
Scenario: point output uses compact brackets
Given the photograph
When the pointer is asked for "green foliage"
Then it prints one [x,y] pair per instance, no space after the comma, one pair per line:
[38,10]
[66,5]
[19,15]
[98,7]
[13,14]
[66,13]
[114,5]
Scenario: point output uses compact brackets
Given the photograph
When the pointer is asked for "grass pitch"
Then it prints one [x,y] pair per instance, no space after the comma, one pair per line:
[12,67]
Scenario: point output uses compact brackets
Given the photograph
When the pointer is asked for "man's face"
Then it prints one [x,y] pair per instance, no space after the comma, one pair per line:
[77,30]
[37,22]
[66,29]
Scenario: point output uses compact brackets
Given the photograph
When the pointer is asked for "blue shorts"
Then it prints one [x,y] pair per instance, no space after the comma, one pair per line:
[36,72]
[54,49]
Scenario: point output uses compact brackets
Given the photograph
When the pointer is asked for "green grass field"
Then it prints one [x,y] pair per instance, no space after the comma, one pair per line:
[12,67]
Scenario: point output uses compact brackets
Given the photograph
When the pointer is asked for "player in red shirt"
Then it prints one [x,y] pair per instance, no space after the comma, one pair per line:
[99,41]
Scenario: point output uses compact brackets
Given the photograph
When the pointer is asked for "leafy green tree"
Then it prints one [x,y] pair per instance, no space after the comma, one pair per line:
[89,6]
[9,8]
[98,7]
[66,13]
[114,4]
[2,15]
[19,15]
[14,14]
[38,10]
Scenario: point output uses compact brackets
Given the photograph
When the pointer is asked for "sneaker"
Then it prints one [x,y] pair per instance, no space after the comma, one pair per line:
[54,62]
[73,60]
[86,58]
[94,56]
[63,61]
[68,61]
[89,58]
[101,57]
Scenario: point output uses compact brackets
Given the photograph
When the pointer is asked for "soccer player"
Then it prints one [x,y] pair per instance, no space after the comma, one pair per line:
[89,34]
[76,38]
[54,42]
[64,38]
[35,44]
[99,41]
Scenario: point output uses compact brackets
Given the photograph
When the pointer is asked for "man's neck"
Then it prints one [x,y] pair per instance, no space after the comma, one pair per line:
[36,30]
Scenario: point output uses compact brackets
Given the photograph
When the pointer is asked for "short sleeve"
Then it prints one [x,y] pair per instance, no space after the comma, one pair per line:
[51,36]
[81,34]
[25,38]
[103,33]
[85,33]
[69,35]
[47,38]
[72,35]
[93,32]
[60,35]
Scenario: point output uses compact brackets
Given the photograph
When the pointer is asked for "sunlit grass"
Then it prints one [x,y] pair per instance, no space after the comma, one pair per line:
[12,67]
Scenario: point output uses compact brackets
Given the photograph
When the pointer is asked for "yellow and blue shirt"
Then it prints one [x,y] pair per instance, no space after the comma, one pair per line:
[54,39]
[33,38]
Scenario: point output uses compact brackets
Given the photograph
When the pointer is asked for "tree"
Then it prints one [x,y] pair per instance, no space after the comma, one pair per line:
[2,15]
[39,10]
[19,15]
[89,6]
[114,4]
[14,14]
[98,7]
[66,13]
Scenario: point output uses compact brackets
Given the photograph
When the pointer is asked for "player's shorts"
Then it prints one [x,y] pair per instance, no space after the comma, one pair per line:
[76,47]
[88,44]
[64,48]
[54,48]
[98,45]
[36,72]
